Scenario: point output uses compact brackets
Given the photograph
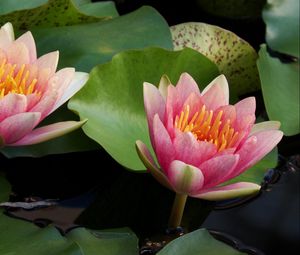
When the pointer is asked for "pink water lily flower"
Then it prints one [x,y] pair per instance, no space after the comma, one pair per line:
[31,89]
[201,141]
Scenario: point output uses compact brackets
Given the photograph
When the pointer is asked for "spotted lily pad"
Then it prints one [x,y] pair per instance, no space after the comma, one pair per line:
[234,57]
[54,13]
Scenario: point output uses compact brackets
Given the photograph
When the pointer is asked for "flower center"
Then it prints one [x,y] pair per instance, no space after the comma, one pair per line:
[12,81]
[204,129]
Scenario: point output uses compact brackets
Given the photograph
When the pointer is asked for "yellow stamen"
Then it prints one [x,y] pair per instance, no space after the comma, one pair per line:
[202,127]
[18,82]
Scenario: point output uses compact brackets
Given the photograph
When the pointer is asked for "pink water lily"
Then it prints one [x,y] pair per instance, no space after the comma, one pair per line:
[201,141]
[31,89]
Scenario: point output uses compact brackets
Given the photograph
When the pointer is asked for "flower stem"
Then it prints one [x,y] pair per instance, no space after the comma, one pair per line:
[177,210]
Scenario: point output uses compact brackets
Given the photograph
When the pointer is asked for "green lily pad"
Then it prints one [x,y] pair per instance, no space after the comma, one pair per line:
[234,56]
[54,13]
[280,87]
[98,9]
[84,46]
[282,22]
[108,242]
[21,237]
[17,5]
[197,242]
[112,99]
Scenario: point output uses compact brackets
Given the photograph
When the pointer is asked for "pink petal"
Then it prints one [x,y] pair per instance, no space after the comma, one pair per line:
[186,179]
[45,104]
[245,113]
[78,81]
[148,161]
[18,54]
[32,100]
[48,132]
[28,41]
[263,126]
[255,148]
[12,104]
[49,60]
[154,104]
[162,144]
[221,82]
[216,170]
[172,102]
[185,86]
[229,113]
[43,76]
[195,104]
[191,151]
[239,189]
[172,109]
[214,97]
[2,55]
[17,126]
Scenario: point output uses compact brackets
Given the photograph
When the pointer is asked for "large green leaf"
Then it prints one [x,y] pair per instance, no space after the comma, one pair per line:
[280,87]
[196,243]
[99,9]
[234,57]
[282,20]
[19,237]
[112,99]
[16,5]
[109,242]
[84,46]
[53,13]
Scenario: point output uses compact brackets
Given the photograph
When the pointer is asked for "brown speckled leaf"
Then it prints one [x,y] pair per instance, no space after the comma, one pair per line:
[54,13]
[234,56]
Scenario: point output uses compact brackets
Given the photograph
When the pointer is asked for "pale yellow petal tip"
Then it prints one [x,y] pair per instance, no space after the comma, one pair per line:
[163,85]
[218,193]
[82,122]
[8,27]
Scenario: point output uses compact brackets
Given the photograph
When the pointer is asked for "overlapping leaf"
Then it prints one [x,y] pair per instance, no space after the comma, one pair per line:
[280,87]
[234,56]
[282,22]
[53,13]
